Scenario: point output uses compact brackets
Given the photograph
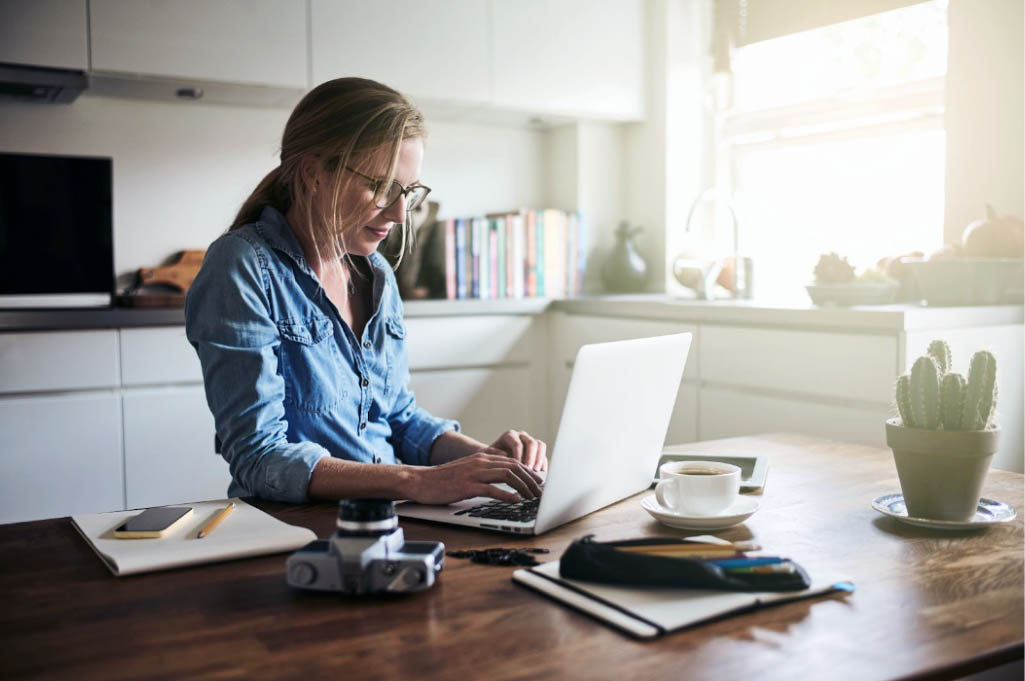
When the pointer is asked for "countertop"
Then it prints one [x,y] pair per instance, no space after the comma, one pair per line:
[880,319]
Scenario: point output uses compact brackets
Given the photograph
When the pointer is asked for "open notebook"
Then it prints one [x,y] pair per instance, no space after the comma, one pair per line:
[247,532]
[652,612]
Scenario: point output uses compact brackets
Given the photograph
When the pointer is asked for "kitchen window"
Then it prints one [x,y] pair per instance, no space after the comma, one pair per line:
[834,141]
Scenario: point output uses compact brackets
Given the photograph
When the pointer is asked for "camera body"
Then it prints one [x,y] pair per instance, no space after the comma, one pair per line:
[368,554]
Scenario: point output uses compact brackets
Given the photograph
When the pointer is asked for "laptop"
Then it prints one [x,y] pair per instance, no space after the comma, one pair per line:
[618,406]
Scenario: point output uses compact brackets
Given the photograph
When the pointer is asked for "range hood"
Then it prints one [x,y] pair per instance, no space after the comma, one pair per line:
[39,84]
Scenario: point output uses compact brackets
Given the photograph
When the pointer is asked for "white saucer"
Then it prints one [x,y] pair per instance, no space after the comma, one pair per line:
[988,513]
[742,509]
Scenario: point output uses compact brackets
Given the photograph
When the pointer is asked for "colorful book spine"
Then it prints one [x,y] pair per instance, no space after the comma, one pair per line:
[530,260]
[462,278]
[501,258]
[450,259]
[517,262]
[539,244]
[475,244]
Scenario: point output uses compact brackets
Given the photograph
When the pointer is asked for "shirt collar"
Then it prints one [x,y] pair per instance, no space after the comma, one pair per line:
[281,237]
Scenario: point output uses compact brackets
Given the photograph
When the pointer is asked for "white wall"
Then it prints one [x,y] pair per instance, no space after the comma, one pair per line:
[669,155]
[984,112]
[182,169]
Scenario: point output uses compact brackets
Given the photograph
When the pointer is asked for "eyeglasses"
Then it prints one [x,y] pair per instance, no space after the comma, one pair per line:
[386,196]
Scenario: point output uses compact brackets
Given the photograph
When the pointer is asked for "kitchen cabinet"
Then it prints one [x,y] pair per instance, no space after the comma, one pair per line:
[257,42]
[51,33]
[572,331]
[801,361]
[485,401]
[169,448]
[60,454]
[429,49]
[58,360]
[573,57]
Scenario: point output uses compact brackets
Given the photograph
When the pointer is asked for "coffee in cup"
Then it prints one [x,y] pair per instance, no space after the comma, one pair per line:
[697,488]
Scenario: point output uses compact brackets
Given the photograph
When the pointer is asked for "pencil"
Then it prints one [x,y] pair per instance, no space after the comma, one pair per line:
[216,520]
[704,552]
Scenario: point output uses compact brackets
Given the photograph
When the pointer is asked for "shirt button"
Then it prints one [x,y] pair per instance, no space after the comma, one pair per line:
[366,382]
[363,426]
[377,459]
[367,345]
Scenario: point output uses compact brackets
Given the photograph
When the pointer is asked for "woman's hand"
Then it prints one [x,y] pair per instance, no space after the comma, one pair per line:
[473,476]
[520,445]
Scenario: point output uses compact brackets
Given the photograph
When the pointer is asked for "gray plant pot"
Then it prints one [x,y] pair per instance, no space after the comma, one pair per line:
[941,471]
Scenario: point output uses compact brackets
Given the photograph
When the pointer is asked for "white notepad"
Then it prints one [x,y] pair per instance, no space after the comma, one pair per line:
[652,612]
[246,532]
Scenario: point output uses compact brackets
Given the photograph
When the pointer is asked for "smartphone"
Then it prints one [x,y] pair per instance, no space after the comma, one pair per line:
[153,522]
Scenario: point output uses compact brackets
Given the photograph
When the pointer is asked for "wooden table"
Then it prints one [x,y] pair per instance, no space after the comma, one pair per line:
[928,604]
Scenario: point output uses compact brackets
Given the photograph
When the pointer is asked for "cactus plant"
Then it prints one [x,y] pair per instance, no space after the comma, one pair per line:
[932,397]
[940,351]
[925,393]
[980,393]
[952,389]
[904,400]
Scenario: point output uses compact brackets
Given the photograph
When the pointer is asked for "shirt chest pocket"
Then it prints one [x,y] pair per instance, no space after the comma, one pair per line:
[311,365]
[395,353]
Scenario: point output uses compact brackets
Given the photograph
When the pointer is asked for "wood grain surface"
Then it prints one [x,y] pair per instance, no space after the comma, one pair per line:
[928,604]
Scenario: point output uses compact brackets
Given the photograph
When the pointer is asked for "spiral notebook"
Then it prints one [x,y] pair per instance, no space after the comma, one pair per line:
[653,612]
[247,532]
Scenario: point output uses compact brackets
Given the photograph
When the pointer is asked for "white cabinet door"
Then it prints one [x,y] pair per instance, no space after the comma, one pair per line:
[236,41]
[60,456]
[435,49]
[58,360]
[44,33]
[846,366]
[482,340]
[169,448]
[486,402]
[158,355]
[730,413]
[575,57]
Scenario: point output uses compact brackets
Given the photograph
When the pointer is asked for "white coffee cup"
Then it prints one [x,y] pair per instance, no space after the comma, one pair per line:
[697,487]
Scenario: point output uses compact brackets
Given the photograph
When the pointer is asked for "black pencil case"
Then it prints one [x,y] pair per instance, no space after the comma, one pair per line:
[603,562]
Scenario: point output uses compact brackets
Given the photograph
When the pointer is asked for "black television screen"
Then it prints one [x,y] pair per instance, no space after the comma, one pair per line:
[56,228]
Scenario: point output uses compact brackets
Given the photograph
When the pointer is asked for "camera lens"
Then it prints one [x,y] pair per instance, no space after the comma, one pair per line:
[366,516]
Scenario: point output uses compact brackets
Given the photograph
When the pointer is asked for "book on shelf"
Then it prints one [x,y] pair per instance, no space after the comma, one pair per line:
[523,254]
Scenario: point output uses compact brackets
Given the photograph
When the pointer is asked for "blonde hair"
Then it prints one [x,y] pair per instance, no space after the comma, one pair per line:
[344,122]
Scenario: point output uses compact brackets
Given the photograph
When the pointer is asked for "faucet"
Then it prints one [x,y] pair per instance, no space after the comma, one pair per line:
[701,275]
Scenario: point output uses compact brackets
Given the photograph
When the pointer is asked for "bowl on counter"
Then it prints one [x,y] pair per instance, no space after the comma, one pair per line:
[854,293]
[969,281]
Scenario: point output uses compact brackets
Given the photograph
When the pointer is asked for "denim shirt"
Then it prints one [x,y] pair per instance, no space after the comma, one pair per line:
[286,379]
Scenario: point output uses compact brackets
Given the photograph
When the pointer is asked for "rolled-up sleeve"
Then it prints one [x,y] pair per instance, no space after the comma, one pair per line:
[227,321]
[414,430]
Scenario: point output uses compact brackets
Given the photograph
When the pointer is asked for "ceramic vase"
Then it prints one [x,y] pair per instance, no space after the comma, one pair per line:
[625,270]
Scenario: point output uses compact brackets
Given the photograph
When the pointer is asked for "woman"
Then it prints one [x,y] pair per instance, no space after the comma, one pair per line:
[298,324]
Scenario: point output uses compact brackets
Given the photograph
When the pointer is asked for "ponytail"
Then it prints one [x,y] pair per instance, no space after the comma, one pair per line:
[271,191]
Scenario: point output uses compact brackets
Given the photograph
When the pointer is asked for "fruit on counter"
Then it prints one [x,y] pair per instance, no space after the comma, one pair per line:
[833,269]
[874,275]
[994,237]
[895,266]
[947,252]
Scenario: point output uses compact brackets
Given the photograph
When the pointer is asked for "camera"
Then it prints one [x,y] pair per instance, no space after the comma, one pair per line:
[368,554]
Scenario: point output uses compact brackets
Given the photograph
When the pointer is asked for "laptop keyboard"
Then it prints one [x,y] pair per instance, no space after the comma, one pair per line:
[523,511]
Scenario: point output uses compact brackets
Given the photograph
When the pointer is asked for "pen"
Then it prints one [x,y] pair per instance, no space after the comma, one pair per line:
[776,568]
[748,562]
[215,521]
